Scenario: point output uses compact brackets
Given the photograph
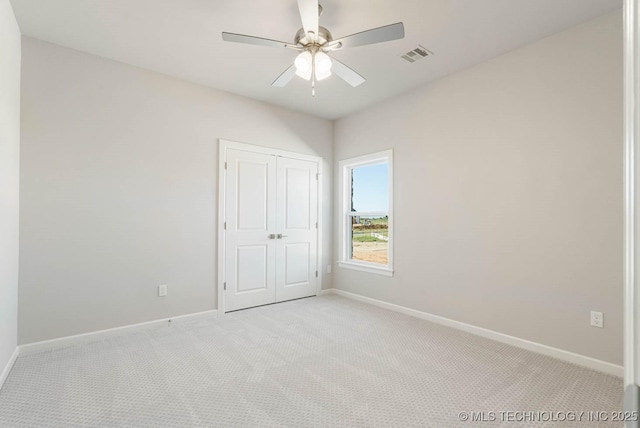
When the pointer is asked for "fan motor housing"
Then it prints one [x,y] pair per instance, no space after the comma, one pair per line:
[324,36]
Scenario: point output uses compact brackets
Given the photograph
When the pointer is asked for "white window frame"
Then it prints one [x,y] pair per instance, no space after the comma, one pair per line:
[345,243]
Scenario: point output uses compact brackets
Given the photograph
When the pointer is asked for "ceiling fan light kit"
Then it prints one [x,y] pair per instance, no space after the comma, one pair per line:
[303,65]
[322,63]
[309,63]
[315,42]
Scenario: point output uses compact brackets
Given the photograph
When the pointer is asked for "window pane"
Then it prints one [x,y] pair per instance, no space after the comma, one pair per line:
[370,239]
[370,188]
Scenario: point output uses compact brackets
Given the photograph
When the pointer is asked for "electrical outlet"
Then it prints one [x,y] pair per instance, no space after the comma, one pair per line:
[162,290]
[328,268]
[597,319]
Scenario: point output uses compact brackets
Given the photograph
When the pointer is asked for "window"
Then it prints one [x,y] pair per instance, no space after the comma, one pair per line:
[366,220]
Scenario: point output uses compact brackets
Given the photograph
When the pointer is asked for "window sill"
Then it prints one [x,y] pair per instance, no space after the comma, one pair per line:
[366,268]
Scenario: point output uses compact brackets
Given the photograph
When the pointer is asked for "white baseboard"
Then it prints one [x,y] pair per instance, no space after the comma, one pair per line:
[325,292]
[9,366]
[570,357]
[62,342]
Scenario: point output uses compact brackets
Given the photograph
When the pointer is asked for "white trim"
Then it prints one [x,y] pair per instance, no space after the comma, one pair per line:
[222,157]
[9,366]
[560,354]
[325,292]
[631,176]
[368,159]
[228,144]
[319,263]
[385,156]
[366,267]
[92,336]
[222,186]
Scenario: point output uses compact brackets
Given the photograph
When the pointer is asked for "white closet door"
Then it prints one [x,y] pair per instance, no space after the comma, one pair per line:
[250,272]
[297,216]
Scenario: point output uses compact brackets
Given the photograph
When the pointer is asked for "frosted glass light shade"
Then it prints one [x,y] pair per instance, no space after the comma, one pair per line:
[303,65]
[323,65]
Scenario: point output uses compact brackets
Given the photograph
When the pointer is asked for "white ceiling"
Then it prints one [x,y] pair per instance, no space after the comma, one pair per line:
[182,38]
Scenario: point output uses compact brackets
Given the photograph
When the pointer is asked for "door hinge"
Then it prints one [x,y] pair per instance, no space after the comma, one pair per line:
[316,274]
[225,165]
[317,177]
[316,224]
[225,225]
[225,286]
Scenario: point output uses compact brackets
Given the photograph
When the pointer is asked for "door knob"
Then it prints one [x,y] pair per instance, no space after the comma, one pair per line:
[272,236]
[280,236]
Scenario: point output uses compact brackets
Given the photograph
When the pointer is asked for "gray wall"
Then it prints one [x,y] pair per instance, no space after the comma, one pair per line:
[9,179]
[119,189]
[508,192]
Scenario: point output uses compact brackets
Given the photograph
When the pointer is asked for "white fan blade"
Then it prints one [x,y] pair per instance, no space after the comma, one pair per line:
[252,40]
[309,12]
[369,37]
[285,77]
[346,73]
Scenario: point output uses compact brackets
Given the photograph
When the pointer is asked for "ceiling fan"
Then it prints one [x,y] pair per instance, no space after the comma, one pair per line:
[314,42]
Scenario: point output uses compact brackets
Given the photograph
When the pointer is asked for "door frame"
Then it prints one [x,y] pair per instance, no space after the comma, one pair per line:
[632,208]
[224,145]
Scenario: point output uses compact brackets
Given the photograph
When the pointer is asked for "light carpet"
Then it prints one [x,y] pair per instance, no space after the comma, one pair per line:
[322,361]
